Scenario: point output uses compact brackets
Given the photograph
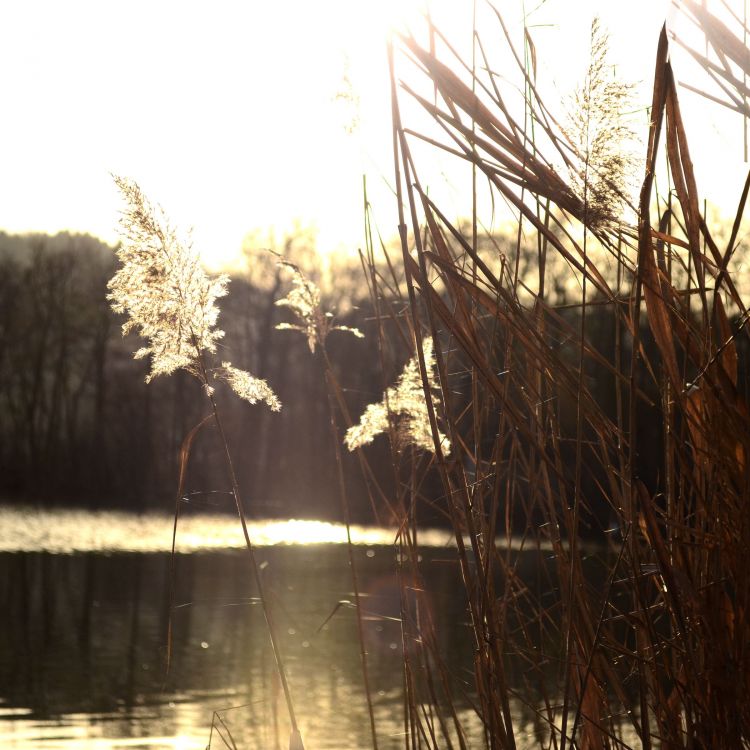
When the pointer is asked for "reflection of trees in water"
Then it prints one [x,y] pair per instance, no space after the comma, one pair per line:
[86,633]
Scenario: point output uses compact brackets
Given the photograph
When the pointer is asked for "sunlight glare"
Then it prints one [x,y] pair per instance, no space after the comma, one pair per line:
[231,117]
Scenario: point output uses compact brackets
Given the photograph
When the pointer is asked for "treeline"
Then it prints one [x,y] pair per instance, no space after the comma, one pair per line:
[79,425]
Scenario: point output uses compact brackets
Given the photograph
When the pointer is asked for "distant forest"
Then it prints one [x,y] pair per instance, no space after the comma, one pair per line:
[79,425]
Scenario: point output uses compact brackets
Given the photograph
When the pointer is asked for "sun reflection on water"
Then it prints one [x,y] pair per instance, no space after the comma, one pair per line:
[69,531]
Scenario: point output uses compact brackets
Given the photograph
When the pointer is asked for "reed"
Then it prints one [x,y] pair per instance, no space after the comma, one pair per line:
[625,465]
[171,303]
[316,324]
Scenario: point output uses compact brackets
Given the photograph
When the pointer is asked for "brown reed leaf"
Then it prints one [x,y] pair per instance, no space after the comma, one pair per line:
[184,459]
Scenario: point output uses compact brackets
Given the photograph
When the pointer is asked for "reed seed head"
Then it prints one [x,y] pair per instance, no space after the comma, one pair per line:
[169,299]
[162,288]
[404,407]
[303,300]
[246,386]
[600,136]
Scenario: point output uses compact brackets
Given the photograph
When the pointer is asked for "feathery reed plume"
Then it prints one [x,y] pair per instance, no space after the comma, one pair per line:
[170,301]
[603,167]
[246,386]
[304,302]
[405,407]
[162,288]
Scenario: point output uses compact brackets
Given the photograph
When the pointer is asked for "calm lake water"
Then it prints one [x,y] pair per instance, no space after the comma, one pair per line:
[85,604]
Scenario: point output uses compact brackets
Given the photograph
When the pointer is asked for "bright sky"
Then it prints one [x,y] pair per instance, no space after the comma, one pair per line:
[225,112]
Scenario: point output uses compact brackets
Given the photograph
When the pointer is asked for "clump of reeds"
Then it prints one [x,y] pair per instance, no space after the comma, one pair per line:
[616,448]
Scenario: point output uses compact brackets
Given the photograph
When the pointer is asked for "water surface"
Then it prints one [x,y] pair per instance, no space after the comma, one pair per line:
[83,640]
[86,605]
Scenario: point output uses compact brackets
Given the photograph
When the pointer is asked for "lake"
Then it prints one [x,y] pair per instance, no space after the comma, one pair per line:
[86,611]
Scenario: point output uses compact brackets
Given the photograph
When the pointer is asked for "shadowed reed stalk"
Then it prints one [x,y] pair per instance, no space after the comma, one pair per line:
[171,303]
[303,300]
[402,415]
[599,136]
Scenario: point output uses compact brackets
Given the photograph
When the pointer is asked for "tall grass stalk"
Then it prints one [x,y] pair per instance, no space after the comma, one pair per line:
[171,303]
[311,320]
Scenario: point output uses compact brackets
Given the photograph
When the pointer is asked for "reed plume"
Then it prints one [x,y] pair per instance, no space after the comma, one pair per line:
[170,301]
[303,300]
[403,406]
[603,168]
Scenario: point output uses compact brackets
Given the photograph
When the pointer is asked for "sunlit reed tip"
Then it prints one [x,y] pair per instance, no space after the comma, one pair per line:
[404,407]
[303,300]
[170,301]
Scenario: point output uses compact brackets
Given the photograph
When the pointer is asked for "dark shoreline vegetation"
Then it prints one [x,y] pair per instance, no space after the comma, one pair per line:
[518,406]
[81,428]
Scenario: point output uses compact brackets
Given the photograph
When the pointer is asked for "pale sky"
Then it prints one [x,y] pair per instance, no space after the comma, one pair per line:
[225,112]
